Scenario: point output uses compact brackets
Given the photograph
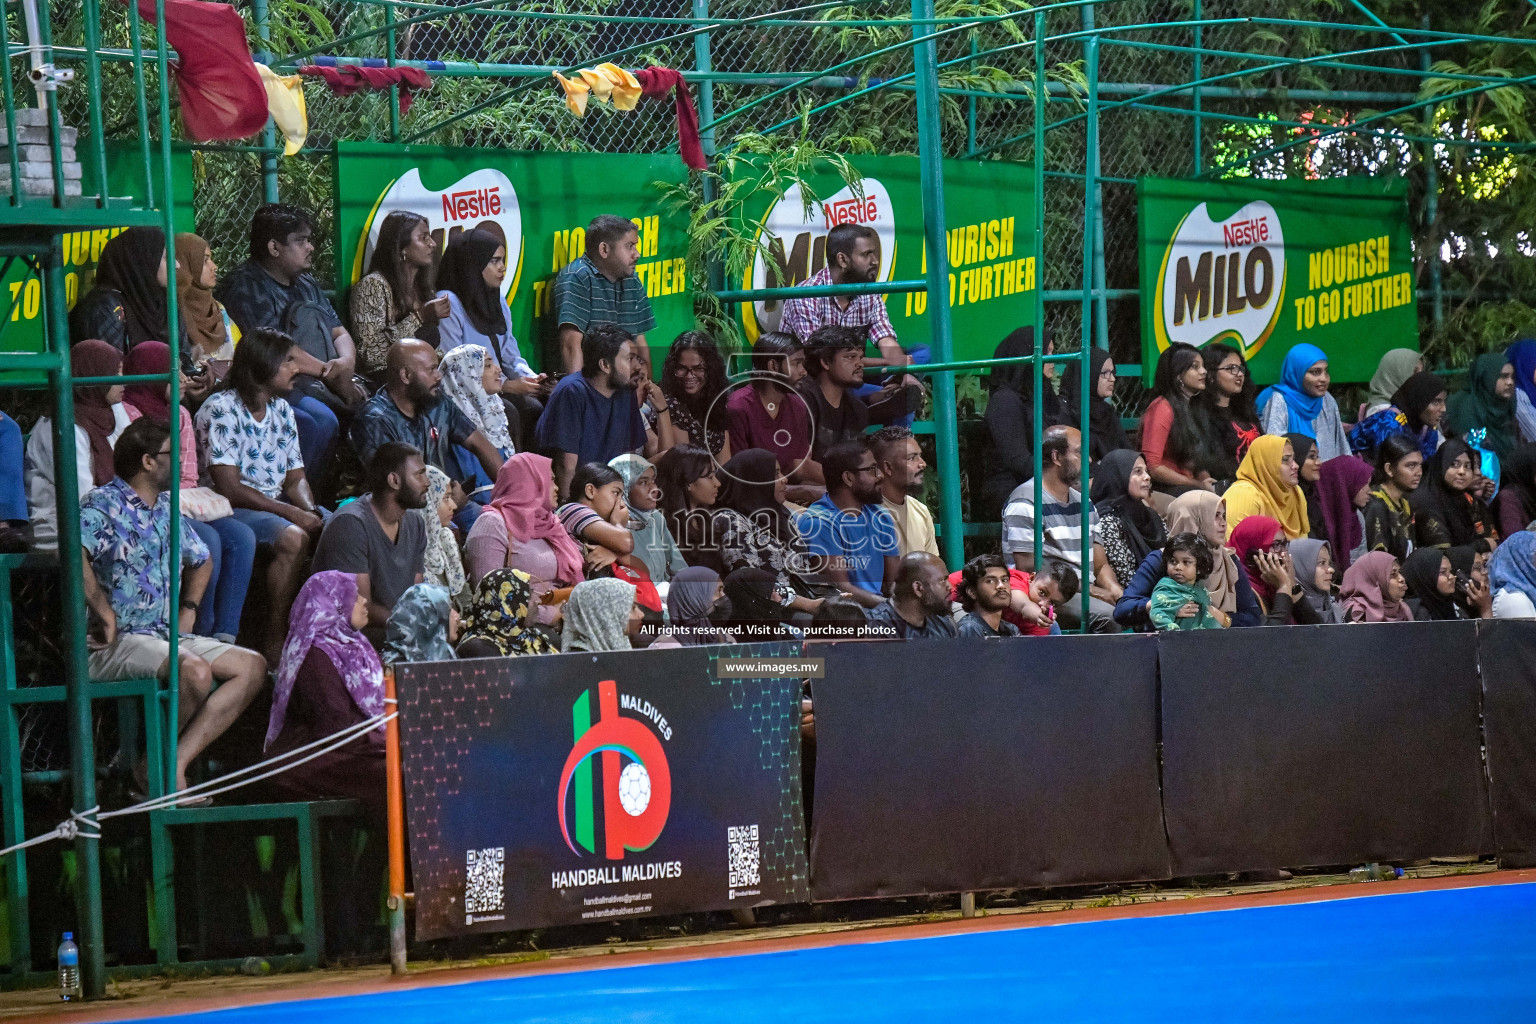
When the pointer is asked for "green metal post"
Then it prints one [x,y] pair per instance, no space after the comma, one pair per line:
[930,148]
[1093,190]
[1093,256]
[262,16]
[394,90]
[91,13]
[1432,207]
[82,751]
[970,111]
[17,889]
[1037,369]
[702,61]
[140,106]
[1198,74]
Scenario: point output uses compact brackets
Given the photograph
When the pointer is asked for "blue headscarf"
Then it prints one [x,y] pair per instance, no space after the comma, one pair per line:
[1513,566]
[1522,356]
[1303,408]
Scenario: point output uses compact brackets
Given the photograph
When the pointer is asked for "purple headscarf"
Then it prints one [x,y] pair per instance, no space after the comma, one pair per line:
[322,617]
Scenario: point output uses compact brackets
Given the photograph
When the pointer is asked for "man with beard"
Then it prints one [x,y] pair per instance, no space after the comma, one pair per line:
[986,592]
[411,409]
[593,416]
[602,287]
[901,472]
[375,540]
[918,608]
[853,536]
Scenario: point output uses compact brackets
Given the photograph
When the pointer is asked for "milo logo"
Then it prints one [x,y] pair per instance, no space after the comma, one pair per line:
[1222,280]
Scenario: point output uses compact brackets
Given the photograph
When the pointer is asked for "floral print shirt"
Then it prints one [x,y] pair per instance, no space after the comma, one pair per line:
[127,543]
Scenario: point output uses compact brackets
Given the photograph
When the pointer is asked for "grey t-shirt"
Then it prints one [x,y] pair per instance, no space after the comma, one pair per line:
[353,541]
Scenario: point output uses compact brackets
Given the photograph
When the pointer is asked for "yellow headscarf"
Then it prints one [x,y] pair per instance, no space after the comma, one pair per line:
[1261,491]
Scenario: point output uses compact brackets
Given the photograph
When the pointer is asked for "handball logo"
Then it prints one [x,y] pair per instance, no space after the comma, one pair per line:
[633,777]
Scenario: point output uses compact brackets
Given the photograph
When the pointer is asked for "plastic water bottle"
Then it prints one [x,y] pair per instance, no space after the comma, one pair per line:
[1374,872]
[69,969]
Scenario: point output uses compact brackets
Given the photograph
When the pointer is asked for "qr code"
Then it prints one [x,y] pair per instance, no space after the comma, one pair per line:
[483,879]
[743,855]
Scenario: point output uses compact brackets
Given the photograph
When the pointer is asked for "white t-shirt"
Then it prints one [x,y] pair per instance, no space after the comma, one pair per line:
[263,450]
[1512,604]
[37,473]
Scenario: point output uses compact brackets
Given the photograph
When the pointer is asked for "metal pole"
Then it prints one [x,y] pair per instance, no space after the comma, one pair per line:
[970,111]
[394,90]
[261,15]
[930,148]
[1094,189]
[1432,207]
[702,61]
[172,730]
[1036,368]
[394,795]
[1093,253]
[1199,74]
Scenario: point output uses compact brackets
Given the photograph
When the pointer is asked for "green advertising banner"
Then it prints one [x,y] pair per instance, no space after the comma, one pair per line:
[1264,265]
[989,214]
[540,203]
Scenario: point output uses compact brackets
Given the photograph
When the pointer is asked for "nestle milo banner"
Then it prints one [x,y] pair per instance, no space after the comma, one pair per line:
[538,203]
[989,215]
[1264,265]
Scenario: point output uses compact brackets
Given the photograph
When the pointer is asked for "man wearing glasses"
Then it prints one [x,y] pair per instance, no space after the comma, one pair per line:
[853,536]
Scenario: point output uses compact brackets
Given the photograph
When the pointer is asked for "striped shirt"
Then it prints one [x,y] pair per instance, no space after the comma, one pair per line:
[1062,536]
[583,296]
[803,317]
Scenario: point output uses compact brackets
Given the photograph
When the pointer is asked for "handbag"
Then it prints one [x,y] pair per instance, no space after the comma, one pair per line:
[204,504]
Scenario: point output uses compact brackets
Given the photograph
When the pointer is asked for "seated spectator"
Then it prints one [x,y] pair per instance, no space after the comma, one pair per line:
[1105,432]
[1010,419]
[918,608]
[1231,597]
[1379,417]
[1180,601]
[768,412]
[1267,485]
[694,598]
[1512,577]
[125,529]
[601,615]
[1313,563]
[758,608]
[1432,586]
[250,450]
[524,534]
[275,291]
[1343,491]
[411,408]
[375,540]
[834,366]
[693,381]
[654,545]
[690,490]
[396,300]
[839,610]
[1446,508]
[1516,501]
[593,416]
[1061,529]
[758,531]
[1422,402]
[597,517]
[329,679]
[1129,527]
[1171,440]
[210,332]
[99,420]
[986,592]
[1374,589]
[901,478]
[1033,598]
[1473,591]
[1387,517]
[502,621]
[128,303]
[1224,411]
[440,561]
[1300,402]
[423,626]
[231,544]
[601,287]
[1522,356]
[472,379]
[1263,551]
[473,267]
[853,257]
[854,536]
[1488,405]
[1308,471]
[15,527]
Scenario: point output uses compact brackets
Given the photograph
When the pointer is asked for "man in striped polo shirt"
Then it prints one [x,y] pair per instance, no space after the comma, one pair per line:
[602,287]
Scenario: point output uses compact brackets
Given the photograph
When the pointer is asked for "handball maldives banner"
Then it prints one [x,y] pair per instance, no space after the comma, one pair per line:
[578,788]
[1265,265]
[539,204]
[989,216]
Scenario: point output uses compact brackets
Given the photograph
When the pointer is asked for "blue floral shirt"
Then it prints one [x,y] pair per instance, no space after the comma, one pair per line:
[126,542]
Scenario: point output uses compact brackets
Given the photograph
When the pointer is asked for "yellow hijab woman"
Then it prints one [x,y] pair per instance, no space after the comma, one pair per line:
[1267,486]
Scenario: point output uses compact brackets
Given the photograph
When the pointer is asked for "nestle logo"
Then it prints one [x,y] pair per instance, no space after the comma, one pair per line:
[850,211]
[471,203]
[1246,232]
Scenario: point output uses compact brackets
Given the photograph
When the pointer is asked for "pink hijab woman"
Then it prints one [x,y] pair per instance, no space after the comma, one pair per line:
[1373,590]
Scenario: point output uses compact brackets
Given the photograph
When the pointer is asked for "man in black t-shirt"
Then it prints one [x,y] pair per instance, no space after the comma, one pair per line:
[834,364]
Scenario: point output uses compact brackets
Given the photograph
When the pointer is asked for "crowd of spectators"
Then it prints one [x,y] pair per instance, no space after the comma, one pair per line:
[411,489]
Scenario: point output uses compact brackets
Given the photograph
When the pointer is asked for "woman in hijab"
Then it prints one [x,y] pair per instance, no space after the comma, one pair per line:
[128,303]
[1300,402]
[1010,418]
[209,330]
[1343,489]
[654,544]
[1432,586]
[441,563]
[1374,589]
[473,380]
[1267,485]
[518,530]
[1379,417]
[1522,356]
[1487,405]
[757,531]
[1128,525]
[1313,563]
[695,595]
[99,419]
[1232,600]
[1105,433]
[1388,514]
[1421,400]
[1446,508]
[1516,501]
[1263,551]
[600,616]
[1512,577]
[422,627]
[329,679]
[500,621]
[1473,591]
[757,603]
[1308,469]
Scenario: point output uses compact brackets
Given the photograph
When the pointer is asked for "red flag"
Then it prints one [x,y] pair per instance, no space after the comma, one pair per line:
[222,97]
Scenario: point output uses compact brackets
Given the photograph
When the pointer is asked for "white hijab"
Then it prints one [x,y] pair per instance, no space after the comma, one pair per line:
[463,379]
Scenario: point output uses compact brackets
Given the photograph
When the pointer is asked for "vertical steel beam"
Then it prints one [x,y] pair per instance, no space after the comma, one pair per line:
[1037,427]
[1198,74]
[1093,190]
[262,16]
[702,61]
[1432,204]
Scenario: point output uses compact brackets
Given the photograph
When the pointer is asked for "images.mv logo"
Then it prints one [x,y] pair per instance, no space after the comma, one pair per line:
[632,775]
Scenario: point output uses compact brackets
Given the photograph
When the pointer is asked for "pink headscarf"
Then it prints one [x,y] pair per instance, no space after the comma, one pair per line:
[1364,593]
[322,617]
[521,497]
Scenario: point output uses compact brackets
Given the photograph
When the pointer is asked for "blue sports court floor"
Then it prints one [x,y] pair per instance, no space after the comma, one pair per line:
[1465,955]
